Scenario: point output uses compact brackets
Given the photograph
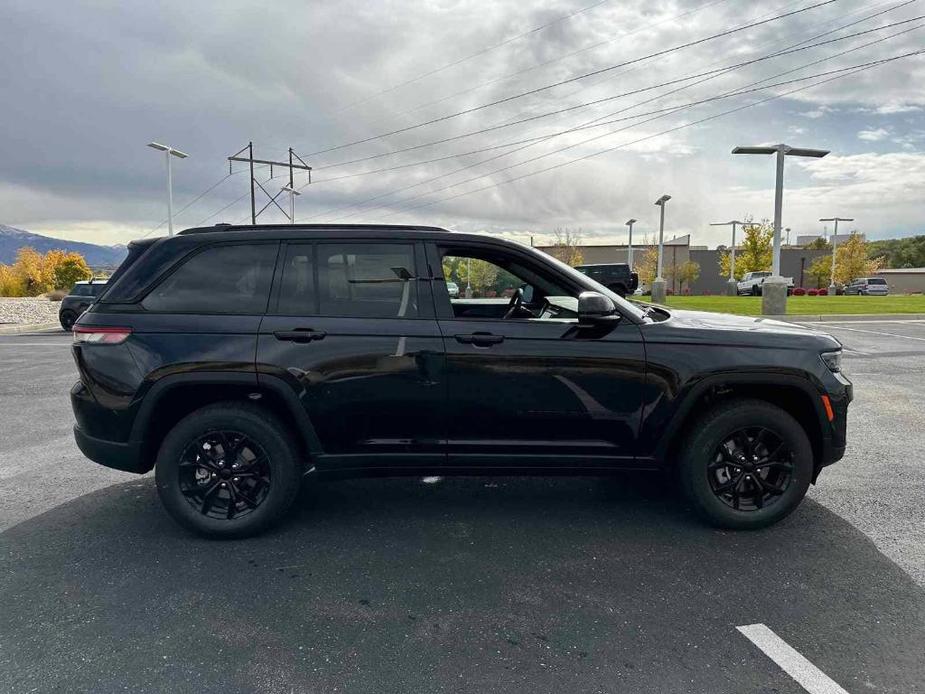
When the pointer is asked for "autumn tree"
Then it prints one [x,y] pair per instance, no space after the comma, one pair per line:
[567,246]
[818,244]
[33,273]
[755,252]
[646,263]
[851,260]
[66,268]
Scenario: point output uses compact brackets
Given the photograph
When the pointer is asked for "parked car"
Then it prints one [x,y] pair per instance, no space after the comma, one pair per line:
[78,299]
[237,360]
[868,286]
[452,289]
[617,277]
[752,281]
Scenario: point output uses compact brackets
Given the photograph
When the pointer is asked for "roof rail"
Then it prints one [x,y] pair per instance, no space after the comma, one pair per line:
[225,226]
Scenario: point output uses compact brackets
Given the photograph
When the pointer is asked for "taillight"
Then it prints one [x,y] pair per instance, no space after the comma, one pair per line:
[95,334]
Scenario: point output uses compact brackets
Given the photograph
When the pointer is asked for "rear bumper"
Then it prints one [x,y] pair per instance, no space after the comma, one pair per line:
[119,456]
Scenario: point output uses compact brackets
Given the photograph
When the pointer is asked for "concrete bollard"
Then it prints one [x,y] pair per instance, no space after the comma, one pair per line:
[774,296]
[658,291]
[732,288]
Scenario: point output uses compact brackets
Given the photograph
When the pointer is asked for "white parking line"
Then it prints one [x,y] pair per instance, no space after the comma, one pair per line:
[881,333]
[807,675]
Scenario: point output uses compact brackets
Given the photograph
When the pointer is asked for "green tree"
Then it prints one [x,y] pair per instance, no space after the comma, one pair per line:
[755,252]
[688,272]
[820,271]
[66,268]
[899,253]
[852,260]
[818,244]
[646,263]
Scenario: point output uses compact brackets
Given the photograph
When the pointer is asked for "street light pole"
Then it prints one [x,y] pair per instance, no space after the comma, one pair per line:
[169,152]
[732,288]
[832,287]
[292,193]
[774,300]
[658,286]
[629,251]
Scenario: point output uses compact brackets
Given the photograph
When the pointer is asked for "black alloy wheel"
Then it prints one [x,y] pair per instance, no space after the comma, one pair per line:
[224,474]
[751,469]
[67,320]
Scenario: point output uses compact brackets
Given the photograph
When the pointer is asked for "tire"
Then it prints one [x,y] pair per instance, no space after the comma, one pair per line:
[756,290]
[67,320]
[264,488]
[702,477]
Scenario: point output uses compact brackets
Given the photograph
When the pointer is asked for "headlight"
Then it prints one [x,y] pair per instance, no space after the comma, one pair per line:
[832,360]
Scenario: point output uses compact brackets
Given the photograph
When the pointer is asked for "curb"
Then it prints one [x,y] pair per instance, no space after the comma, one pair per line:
[846,317]
[18,329]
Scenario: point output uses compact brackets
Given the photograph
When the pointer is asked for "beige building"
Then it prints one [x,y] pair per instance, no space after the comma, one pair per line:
[904,280]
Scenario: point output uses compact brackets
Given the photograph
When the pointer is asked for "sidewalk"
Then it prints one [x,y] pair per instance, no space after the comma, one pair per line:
[19,328]
[845,317]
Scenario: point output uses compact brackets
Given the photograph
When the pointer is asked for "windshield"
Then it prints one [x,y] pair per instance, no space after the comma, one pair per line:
[622,304]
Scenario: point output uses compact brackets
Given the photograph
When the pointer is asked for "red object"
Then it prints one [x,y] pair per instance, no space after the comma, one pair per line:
[827,404]
[799,291]
[812,292]
[823,292]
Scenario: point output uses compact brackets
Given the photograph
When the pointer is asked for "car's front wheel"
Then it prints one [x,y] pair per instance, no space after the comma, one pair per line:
[746,464]
[228,470]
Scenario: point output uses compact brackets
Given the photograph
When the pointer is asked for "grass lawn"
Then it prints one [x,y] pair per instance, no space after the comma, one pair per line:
[802,305]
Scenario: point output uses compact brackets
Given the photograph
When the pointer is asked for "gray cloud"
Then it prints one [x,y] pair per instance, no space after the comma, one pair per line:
[88,84]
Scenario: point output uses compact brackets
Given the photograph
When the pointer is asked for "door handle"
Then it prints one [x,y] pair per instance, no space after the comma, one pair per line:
[480,339]
[299,335]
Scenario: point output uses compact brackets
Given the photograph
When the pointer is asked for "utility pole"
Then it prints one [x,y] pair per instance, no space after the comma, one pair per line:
[773,289]
[169,152]
[291,165]
[731,286]
[629,248]
[658,286]
[788,235]
[832,287]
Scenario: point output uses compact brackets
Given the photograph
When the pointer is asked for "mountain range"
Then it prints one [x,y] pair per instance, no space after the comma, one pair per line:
[12,239]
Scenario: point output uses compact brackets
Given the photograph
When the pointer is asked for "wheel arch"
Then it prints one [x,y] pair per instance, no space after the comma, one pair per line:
[796,396]
[173,397]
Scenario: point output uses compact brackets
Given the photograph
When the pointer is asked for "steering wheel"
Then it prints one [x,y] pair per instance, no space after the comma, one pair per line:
[516,303]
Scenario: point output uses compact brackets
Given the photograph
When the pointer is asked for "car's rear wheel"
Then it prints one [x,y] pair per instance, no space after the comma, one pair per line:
[67,319]
[228,470]
[756,290]
[746,464]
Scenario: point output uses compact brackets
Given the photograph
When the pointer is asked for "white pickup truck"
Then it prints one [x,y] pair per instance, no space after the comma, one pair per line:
[751,283]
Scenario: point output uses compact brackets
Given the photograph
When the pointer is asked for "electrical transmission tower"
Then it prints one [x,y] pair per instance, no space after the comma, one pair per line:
[291,165]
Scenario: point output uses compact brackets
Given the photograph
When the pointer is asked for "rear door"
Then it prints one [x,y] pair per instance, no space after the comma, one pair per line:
[351,330]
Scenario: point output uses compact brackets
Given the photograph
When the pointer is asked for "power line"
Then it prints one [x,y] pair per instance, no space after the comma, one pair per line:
[191,202]
[576,78]
[536,66]
[613,97]
[858,69]
[594,122]
[478,53]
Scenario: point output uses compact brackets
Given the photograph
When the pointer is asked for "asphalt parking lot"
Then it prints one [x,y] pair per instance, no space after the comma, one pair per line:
[501,585]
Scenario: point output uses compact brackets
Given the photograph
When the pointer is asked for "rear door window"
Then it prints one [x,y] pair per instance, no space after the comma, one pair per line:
[876,280]
[367,280]
[220,279]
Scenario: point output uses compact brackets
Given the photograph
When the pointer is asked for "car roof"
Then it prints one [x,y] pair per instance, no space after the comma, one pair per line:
[295,228]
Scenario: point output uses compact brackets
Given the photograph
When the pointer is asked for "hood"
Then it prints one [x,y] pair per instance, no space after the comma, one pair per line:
[725,328]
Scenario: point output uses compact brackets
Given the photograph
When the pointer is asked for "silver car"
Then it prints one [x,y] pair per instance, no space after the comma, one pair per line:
[452,289]
[868,286]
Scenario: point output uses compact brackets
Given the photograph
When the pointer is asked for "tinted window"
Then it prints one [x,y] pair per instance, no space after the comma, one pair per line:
[876,280]
[369,280]
[297,294]
[97,288]
[81,290]
[221,279]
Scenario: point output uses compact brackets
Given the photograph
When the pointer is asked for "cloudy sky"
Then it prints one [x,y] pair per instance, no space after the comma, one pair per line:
[87,85]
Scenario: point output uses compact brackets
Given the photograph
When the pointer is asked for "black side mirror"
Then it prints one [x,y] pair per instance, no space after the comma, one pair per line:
[595,308]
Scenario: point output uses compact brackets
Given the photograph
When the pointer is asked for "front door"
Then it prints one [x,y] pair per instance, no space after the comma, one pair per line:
[526,386]
[351,329]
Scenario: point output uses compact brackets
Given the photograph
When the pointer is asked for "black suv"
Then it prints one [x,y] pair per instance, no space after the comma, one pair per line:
[617,277]
[236,360]
[78,300]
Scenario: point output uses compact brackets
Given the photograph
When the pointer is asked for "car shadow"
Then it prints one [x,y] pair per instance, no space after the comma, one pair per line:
[460,584]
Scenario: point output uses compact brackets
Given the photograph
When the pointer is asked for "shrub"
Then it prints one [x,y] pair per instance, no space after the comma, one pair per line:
[57,294]
[799,291]
[812,292]
[823,292]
